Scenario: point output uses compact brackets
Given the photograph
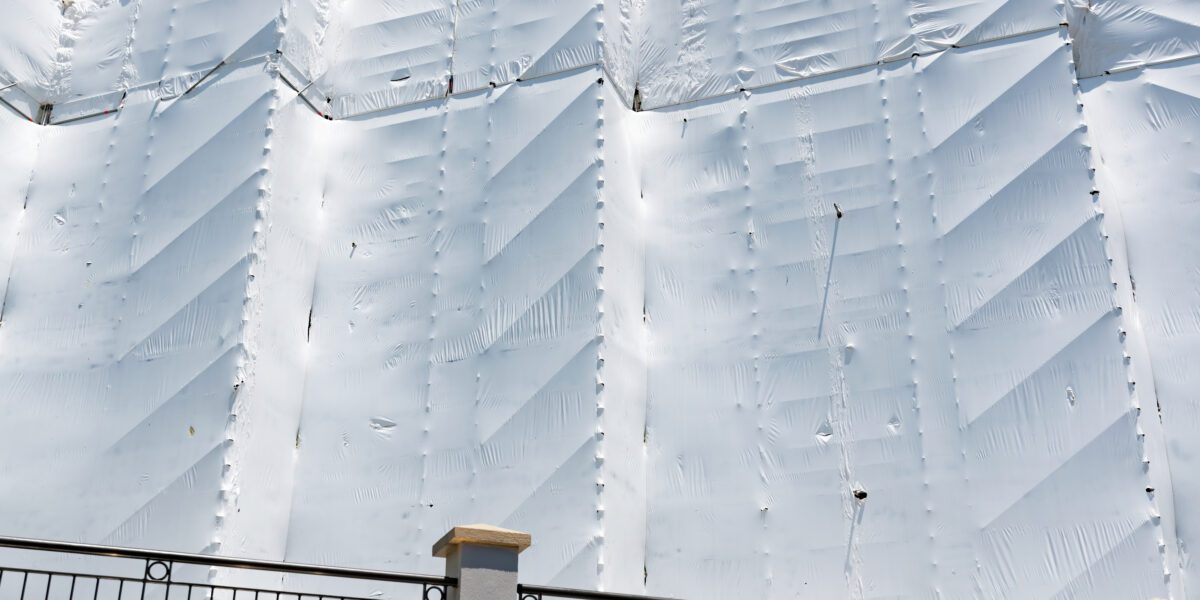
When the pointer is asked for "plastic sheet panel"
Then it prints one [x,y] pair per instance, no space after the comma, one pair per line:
[455,332]
[123,321]
[703,48]
[29,34]
[1145,125]
[500,41]
[105,45]
[1112,35]
[795,357]
[647,337]
[368,57]
[21,137]
[262,453]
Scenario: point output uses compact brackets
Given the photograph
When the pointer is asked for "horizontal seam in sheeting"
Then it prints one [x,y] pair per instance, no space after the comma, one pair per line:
[625,101]
[601,65]
[1143,65]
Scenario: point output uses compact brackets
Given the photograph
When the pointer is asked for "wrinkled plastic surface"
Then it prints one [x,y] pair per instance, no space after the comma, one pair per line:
[319,282]
[1115,35]
[1146,159]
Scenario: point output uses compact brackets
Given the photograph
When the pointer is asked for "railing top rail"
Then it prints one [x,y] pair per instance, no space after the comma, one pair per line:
[556,592]
[221,561]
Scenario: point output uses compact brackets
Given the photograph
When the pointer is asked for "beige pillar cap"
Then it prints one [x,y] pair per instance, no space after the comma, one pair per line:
[483,535]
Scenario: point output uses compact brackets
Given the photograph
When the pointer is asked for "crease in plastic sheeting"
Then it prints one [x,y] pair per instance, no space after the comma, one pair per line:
[25,139]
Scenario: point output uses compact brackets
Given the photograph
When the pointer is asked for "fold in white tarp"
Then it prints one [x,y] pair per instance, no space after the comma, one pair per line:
[931,254]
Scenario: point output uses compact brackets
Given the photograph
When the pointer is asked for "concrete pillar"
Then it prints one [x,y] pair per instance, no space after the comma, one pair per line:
[483,559]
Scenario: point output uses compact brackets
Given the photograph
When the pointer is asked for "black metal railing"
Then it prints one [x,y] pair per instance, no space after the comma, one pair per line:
[119,573]
[138,574]
[540,592]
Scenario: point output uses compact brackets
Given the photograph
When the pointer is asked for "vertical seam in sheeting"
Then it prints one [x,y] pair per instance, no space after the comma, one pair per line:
[251,300]
[427,414]
[454,14]
[901,252]
[128,73]
[1118,299]
[489,106]
[954,425]
[760,405]
[644,337]
[281,22]
[601,446]
[600,199]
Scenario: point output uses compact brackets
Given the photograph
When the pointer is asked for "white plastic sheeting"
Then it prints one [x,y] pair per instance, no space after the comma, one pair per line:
[877,368]
[850,248]
[371,56]
[130,241]
[67,49]
[701,48]
[1147,170]
[1115,35]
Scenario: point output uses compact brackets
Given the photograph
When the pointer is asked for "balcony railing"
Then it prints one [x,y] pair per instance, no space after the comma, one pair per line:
[38,570]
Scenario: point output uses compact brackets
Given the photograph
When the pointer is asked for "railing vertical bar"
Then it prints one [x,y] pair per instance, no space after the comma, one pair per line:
[120,589]
[71,594]
[49,580]
[24,580]
[96,592]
